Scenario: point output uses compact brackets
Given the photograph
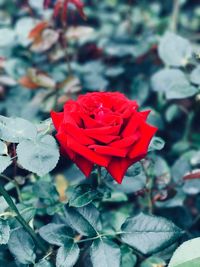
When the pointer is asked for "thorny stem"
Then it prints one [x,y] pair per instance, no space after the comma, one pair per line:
[20,219]
[149,189]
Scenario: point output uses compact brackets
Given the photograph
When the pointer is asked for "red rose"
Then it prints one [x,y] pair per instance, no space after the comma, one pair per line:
[104,129]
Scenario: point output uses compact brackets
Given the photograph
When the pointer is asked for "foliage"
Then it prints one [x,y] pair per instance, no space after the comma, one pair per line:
[50,214]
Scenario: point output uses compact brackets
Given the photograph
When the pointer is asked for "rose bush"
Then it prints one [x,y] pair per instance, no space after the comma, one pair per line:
[103,128]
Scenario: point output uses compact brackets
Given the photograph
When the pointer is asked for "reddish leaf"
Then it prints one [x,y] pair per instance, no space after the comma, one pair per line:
[27,82]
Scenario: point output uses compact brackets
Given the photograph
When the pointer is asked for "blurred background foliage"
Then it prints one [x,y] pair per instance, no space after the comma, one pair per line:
[129,46]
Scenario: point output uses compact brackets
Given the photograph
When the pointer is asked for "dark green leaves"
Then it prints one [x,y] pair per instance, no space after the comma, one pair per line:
[105,253]
[56,234]
[21,246]
[84,220]
[174,50]
[83,195]
[149,234]
[67,255]
[128,259]
[187,255]
[39,156]
[4,232]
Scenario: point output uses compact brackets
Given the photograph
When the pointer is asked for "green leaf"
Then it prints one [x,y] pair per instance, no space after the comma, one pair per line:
[128,258]
[149,234]
[134,180]
[116,197]
[39,156]
[83,195]
[23,27]
[173,83]
[187,255]
[3,204]
[156,143]
[15,130]
[67,255]
[3,148]
[195,76]
[153,262]
[5,161]
[105,253]
[140,89]
[4,232]
[84,220]
[46,191]
[56,234]
[27,212]
[16,67]
[7,37]
[174,50]
[22,246]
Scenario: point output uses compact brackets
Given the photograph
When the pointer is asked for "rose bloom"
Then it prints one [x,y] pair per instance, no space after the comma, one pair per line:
[105,129]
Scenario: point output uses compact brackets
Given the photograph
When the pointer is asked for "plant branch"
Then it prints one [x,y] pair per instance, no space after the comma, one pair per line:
[20,219]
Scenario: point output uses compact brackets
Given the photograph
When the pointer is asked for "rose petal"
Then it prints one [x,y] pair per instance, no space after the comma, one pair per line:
[57,118]
[132,125]
[86,152]
[118,167]
[77,134]
[64,149]
[106,139]
[84,165]
[141,147]
[110,151]
[145,114]
[127,141]
[89,122]
[109,130]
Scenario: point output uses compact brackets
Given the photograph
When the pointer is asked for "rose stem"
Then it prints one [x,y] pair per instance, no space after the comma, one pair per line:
[149,189]
[99,180]
[20,219]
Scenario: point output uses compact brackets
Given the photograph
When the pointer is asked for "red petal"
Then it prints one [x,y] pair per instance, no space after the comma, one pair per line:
[57,118]
[109,151]
[132,124]
[141,147]
[107,130]
[127,141]
[106,139]
[84,165]
[118,167]
[145,114]
[78,134]
[86,152]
